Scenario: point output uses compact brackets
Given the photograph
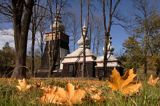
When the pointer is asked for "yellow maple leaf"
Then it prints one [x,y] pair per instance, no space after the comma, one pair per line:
[124,84]
[58,95]
[131,89]
[152,81]
[75,96]
[23,86]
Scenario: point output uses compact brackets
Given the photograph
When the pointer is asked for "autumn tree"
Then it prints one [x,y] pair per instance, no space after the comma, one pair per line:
[7,55]
[7,60]
[145,25]
[133,53]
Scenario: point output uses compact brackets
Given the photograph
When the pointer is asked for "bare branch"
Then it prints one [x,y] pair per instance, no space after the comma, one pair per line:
[115,6]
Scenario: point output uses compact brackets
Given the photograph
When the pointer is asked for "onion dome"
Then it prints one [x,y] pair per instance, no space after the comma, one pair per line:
[80,41]
[58,23]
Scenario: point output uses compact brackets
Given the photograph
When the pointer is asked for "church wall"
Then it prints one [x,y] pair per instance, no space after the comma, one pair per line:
[90,69]
[100,72]
[63,49]
[74,69]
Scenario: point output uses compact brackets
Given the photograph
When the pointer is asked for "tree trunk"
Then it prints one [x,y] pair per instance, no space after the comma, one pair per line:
[32,50]
[107,30]
[55,51]
[55,55]
[55,45]
[84,56]
[20,68]
[50,50]
[49,57]
[97,46]
[105,55]
[94,45]
[106,39]
[145,52]
[145,66]
[41,46]
[83,65]
[21,48]
[22,12]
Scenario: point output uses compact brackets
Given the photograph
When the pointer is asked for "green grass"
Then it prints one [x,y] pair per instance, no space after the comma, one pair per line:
[10,96]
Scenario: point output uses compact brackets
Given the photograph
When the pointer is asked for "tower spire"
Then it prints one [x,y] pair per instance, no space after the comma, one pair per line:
[80,41]
[84,29]
[58,23]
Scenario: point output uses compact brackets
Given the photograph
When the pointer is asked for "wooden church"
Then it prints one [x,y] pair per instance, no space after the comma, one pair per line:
[73,62]
[70,64]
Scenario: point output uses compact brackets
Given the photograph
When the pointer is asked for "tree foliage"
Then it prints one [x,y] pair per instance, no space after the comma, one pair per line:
[7,56]
[133,53]
[142,48]
[7,60]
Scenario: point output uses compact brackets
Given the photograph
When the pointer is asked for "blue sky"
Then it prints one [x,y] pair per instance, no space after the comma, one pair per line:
[119,35]
[126,9]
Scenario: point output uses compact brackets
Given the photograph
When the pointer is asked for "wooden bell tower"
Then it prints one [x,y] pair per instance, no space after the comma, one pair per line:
[56,36]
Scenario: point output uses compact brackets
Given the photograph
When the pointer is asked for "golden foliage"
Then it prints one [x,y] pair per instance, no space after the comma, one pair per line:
[125,83]
[152,81]
[58,95]
[23,86]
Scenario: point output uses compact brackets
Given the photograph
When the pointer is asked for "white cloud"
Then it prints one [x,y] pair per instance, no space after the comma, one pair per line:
[37,40]
[6,35]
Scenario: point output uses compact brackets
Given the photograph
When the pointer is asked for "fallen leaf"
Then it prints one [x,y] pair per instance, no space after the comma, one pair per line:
[125,83]
[132,88]
[75,96]
[58,95]
[152,81]
[23,86]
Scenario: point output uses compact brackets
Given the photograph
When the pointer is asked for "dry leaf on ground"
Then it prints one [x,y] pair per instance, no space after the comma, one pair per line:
[152,81]
[58,95]
[23,86]
[124,84]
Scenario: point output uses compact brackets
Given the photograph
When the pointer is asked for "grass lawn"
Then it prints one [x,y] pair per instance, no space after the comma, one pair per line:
[10,96]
